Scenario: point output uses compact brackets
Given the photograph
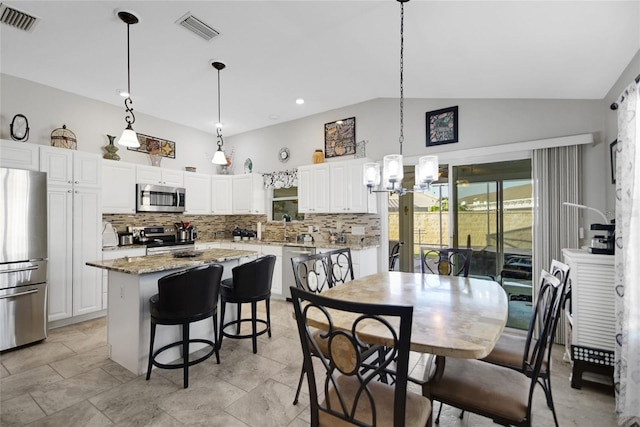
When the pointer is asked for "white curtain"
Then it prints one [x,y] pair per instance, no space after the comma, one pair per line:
[556,179]
[627,261]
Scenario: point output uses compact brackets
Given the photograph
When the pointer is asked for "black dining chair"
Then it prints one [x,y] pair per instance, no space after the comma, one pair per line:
[183,298]
[341,266]
[503,394]
[341,390]
[250,283]
[445,261]
[394,255]
[511,350]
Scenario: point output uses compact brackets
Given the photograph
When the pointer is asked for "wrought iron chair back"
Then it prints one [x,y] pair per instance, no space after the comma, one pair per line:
[312,273]
[394,254]
[340,386]
[341,266]
[445,261]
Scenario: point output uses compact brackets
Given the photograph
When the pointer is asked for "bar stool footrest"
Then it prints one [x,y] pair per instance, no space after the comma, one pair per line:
[181,365]
[235,322]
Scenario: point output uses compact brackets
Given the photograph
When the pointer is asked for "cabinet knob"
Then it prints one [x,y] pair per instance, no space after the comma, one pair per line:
[68,191]
[76,182]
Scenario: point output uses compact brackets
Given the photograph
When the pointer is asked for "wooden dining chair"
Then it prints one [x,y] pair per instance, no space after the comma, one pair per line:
[503,394]
[445,261]
[342,392]
[511,350]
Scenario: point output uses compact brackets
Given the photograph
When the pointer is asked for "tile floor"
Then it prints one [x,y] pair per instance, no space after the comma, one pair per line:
[68,380]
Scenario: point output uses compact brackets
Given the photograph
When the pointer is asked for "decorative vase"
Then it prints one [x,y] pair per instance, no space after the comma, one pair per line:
[111,149]
[155,157]
[318,157]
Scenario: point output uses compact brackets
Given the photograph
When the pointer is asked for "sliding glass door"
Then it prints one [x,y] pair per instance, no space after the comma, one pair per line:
[493,212]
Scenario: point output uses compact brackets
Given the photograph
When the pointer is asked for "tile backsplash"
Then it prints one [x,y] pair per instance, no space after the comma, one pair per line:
[215,227]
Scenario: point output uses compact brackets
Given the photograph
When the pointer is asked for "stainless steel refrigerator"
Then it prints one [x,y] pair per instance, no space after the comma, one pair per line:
[23,257]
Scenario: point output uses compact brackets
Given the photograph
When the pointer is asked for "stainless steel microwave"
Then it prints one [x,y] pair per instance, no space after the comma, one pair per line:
[159,198]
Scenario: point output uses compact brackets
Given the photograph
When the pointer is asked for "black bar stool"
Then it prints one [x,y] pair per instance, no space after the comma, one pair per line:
[183,298]
[251,282]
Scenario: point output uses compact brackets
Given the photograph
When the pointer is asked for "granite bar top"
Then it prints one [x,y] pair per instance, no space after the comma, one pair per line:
[315,244]
[164,262]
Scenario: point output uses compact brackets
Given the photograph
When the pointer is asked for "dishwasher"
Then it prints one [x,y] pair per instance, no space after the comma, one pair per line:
[288,280]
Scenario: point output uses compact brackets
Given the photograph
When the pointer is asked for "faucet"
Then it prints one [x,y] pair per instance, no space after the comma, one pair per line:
[285,238]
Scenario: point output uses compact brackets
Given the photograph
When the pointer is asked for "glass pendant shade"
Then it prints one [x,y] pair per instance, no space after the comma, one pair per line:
[219,158]
[392,170]
[426,171]
[129,138]
[371,174]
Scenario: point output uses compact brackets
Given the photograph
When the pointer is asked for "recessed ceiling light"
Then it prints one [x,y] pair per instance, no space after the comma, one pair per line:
[274,117]
[299,101]
[122,93]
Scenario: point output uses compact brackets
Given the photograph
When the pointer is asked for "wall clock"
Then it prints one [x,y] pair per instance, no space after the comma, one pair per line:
[283,154]
[19,128]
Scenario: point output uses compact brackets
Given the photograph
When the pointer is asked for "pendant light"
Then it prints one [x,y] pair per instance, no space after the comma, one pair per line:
[129,137]
[393,168]
[219,158]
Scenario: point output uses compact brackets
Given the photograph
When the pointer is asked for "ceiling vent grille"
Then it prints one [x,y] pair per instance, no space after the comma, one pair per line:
[16,18]
[197,27]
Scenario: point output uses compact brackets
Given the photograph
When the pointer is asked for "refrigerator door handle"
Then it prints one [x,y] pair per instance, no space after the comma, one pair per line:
[32,291]
[18,270]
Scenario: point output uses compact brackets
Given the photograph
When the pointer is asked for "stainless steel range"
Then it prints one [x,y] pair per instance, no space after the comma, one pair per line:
[160,240]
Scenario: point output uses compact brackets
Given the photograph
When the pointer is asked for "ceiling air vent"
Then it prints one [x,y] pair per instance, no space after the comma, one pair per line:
[197,26]
[16,18]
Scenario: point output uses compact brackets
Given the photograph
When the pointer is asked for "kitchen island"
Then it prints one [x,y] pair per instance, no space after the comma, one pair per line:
[132,281]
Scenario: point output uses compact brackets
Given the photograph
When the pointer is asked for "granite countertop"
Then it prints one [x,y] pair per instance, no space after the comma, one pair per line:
[165,262]
[315,244]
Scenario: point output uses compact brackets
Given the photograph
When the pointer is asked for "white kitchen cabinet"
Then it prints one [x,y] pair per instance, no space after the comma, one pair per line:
[115,254]
[74,231]
[347,192]
[198,193]
[160,176]
[248,194]
[276,283]
[119,187]
[19,155]
[221,191]
[70,167]
[313,188]
[74,228]
[207,245]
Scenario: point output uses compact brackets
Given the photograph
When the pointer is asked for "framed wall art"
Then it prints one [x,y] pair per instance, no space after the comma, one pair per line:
[442,126]
[340,138]
[153,145]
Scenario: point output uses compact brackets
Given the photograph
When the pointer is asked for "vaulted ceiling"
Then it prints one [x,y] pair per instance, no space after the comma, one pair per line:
[331,53]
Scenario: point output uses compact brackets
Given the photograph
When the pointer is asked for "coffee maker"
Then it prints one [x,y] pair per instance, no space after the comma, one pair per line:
[601,244]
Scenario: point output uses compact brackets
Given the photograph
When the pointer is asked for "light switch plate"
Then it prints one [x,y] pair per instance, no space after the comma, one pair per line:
[357,230]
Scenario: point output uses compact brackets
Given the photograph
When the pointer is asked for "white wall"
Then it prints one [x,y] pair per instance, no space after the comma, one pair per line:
[47,108]
[482,122]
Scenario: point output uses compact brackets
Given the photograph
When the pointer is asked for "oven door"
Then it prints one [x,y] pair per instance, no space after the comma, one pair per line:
[159,198]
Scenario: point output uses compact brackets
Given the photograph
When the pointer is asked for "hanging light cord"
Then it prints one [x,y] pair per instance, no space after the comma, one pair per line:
[401,139]
[219,127]
[127,102]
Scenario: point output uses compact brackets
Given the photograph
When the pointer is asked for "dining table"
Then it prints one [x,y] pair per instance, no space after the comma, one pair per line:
[453,316]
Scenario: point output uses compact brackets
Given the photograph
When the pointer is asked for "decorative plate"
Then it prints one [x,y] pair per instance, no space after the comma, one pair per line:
[248,166]
[283,154]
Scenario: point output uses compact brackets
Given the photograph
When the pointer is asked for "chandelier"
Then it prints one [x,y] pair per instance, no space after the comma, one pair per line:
[129,137]
[393,170]
[219,157]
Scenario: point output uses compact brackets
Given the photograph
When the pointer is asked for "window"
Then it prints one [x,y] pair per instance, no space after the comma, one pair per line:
[285,202]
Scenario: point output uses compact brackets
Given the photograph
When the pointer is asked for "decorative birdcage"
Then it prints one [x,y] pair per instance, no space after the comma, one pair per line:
[64,138]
